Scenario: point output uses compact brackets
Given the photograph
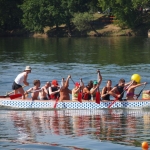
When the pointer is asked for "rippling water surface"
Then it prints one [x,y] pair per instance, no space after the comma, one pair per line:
[74,129]
[116,57]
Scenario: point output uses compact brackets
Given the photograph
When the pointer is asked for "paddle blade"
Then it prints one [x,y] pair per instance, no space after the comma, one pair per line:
[80,97]
[15,96]
[56,101]
[98,97]
[112,102]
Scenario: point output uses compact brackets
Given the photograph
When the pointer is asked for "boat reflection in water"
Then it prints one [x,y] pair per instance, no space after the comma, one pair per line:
[128,127]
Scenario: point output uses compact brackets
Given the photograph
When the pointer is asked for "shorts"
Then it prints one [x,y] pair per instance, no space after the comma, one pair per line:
[16,86]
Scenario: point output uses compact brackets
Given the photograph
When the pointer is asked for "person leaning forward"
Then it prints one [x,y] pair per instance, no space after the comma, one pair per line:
[117,91]
[34,90]
[21,79]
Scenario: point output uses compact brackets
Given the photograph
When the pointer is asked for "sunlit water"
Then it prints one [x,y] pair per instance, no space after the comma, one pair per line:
[74,129]
[117,57]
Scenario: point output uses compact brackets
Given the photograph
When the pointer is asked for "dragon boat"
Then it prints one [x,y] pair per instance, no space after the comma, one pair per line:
[69,104]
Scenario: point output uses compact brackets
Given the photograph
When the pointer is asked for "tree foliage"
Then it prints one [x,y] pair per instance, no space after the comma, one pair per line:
[82,21]
[10,14]
[127,12]
[35,15]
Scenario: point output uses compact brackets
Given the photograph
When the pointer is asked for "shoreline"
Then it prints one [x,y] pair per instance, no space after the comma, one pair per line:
[108,30]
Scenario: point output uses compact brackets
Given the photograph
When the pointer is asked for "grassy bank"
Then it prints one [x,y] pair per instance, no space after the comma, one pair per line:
[103,25]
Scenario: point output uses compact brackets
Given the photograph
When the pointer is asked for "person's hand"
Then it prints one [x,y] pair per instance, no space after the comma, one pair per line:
[98,71]
[145,83]
[118,96]
[81,79]
[69,76]
[27,84]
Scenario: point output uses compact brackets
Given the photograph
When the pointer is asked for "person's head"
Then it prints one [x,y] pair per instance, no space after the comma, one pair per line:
[109,83]
[90,84]
[48,84]
[95,83]
[77,84]
[54,83]
[28,69]
[121,82]
[134,82]
[36,82]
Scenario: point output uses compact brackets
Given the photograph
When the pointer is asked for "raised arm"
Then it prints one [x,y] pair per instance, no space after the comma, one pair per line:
[67,81]
[99,80]
[137,85]
[25,79]
[81,84]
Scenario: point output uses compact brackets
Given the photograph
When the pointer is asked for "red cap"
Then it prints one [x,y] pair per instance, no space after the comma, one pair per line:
[54,82]
[77,84]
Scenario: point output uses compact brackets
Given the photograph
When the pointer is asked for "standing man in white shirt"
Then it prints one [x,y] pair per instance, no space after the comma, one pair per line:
[21,79]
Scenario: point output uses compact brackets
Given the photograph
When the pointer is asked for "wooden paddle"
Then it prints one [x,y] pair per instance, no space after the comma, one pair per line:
[98,92]
[120,94]
[57,99]
[140,92]
[80,93]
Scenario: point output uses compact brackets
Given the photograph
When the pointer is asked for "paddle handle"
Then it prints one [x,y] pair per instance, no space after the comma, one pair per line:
[140,92]
[72,81]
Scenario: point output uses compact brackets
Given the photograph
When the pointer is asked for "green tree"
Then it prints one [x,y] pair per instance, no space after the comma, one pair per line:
[126,11]
[42,13]
[83,22]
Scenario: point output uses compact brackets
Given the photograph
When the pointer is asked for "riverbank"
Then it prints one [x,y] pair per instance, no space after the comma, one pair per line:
[102,25]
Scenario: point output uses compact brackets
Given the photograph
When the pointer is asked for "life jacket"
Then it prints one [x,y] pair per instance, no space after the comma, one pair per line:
[86,96]
[56,95]
[120,90]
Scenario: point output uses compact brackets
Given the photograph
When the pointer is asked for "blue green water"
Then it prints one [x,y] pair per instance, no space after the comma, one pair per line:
[116,57]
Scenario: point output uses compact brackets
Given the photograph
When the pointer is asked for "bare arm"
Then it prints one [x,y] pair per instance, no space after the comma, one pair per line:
[113,92]
[67,81]
[134,86]
[25,79]
[76,90]
[81,84]
[99,77]
[45,90]
[28,91]
[51,92]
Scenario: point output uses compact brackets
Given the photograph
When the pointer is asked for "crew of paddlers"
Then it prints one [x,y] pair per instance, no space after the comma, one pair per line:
[52,90]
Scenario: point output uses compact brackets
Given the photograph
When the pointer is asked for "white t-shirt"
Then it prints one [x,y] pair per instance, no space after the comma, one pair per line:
[20,78]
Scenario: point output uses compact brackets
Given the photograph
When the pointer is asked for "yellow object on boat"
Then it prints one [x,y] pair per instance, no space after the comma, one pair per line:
[136,78]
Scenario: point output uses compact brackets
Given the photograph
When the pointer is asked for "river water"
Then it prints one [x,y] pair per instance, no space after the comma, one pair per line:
[52,58]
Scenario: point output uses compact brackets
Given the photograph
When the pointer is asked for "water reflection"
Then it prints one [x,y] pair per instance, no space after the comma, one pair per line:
[126,127]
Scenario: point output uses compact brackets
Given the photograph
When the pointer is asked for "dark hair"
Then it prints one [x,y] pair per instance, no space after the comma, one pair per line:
[122,80]
[108,81]
[90,83]
[36,81]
